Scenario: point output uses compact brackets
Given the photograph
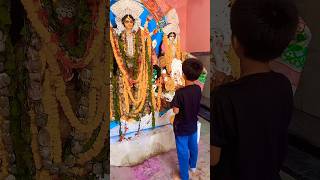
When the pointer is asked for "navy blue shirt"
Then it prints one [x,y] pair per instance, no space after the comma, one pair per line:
[250,124]
[187,99]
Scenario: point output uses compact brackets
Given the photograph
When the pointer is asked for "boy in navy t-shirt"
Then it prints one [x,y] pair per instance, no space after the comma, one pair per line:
[185,104]
[250,116]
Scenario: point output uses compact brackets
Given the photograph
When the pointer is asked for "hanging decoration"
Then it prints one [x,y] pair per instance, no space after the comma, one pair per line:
[68,127]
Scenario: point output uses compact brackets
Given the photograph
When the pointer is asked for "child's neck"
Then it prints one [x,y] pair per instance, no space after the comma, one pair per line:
[188,83]
[249,66]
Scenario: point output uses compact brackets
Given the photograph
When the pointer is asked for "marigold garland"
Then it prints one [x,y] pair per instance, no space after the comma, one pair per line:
[127,80]
[34,141]
[33,7]
[54,92]
[60,93]
[51,108]
[143,76]
[159,94]
[96,147]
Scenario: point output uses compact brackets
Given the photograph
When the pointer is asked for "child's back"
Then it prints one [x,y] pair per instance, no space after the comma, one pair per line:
[186,104]
[251,126]
[187,99]
[251,115]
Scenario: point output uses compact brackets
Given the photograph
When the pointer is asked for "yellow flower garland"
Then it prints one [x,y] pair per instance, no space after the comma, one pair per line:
[143,75]
[159,94]
[54,91]
[96,147]
[51,108]
[124,74]
[32,7]
[95,114]
[34,141]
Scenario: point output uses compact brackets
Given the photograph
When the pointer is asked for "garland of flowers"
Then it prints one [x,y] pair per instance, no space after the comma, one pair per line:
[34,142]
[127,80]
[33,7]
[96,147]
[51,108]
[40,173]
[142,77]
[53,125]
[124,73]
[158,103]
[84,17]
[60,93]
[143,93]
[54,92]
[133,59]
[149,72]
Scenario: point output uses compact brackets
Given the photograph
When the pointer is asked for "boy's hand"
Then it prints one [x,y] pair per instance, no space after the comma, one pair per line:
[175,110]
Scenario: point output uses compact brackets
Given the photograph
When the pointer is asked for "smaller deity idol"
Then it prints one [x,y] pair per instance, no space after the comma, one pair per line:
[173,56]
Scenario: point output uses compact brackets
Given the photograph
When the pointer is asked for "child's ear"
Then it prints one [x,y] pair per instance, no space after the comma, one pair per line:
[234,42]
[236,46]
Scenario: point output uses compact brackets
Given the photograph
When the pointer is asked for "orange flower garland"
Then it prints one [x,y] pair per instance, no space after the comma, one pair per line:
[142,76]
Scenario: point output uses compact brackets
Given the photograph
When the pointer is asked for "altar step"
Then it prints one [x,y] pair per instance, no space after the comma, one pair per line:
[204,113]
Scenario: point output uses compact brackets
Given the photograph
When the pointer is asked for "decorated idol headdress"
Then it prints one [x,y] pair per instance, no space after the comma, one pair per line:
[171,28]
[125,7]
[172,17]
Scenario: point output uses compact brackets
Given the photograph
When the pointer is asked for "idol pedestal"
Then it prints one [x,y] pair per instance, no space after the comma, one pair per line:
[140,147]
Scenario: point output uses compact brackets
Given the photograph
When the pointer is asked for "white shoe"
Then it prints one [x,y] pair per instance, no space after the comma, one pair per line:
[193,170]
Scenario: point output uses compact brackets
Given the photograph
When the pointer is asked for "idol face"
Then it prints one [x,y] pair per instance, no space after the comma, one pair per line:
[172,36]
[128,22]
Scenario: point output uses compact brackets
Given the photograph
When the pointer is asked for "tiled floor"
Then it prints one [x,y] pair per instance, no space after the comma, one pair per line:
[163,166]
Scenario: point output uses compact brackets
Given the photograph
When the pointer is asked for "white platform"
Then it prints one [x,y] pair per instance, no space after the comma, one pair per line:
[146,123]
[143,146]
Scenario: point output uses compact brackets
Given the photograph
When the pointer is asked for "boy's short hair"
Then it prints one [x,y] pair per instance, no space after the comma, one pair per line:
[192,69]
[264,28]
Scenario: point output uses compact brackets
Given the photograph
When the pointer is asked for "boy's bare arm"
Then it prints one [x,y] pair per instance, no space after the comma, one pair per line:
[215,155]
